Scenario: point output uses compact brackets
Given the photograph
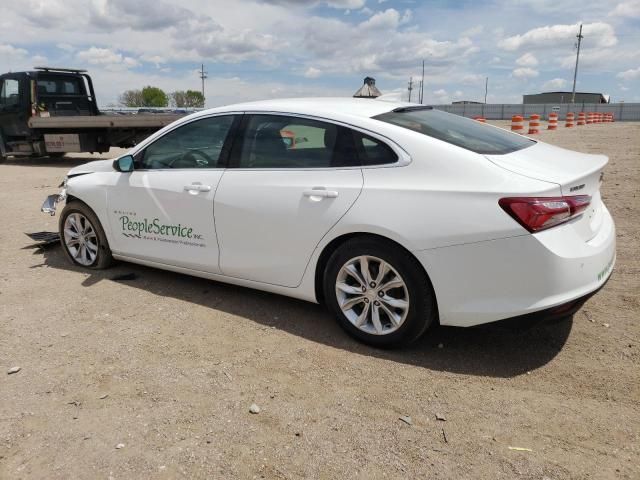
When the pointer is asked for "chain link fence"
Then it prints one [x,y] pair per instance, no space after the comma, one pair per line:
[504,111]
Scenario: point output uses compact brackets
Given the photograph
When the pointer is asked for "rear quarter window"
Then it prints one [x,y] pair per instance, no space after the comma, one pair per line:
[462,132]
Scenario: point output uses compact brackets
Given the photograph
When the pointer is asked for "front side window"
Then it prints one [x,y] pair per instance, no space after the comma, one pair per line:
[456,130]
[10,92]
[195,145]
[279,141]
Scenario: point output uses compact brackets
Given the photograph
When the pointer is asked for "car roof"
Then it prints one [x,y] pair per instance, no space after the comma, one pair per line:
[330,107]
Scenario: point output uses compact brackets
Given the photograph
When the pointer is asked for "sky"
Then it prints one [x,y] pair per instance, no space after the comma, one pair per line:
[287,48]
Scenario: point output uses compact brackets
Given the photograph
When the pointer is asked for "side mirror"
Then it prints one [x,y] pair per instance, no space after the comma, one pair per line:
[124,164]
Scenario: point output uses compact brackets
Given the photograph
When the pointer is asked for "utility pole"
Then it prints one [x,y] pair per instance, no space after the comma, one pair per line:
[575,72]
[410,87]
[422,85]
[203,76]
[486,89]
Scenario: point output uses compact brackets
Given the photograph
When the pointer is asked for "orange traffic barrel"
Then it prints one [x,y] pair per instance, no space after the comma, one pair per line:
[480,119]
[582,120]
[589,118]
[553,121]
[517,123]
[569,120]
[534,124]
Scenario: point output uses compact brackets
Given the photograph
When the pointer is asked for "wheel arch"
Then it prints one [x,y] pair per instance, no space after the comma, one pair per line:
[340,240]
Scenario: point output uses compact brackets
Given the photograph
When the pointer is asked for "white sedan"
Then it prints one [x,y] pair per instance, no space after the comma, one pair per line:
[395,216]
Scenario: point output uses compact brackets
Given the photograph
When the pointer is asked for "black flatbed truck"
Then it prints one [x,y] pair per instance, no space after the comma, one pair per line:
[52,111]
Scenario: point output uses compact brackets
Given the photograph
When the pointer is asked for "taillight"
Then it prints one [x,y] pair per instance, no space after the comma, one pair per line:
[540,213]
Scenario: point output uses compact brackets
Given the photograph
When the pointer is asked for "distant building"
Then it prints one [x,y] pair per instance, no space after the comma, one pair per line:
[368,90]
[565,97]
[466,102]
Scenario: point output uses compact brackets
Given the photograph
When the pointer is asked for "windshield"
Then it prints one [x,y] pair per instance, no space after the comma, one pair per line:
[463,132]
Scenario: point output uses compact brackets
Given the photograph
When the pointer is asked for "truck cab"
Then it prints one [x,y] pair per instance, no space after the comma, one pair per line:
[52,111]
[43,92]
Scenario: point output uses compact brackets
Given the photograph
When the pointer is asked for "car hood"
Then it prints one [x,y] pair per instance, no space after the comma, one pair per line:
[91,167]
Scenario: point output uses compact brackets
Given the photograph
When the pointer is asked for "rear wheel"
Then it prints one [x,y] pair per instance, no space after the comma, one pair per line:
[83,238]
[379,293]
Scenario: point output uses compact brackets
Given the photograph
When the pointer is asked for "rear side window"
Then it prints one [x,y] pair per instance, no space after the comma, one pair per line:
[456,130]
[372,151]
[280,141]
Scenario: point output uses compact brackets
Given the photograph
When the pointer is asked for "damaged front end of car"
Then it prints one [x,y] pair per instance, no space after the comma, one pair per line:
[51,202]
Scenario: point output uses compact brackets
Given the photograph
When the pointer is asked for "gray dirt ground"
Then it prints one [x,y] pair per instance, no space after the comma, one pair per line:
[181,359]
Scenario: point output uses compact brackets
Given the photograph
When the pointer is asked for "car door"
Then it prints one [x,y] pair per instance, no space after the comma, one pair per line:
[163,210]
[13,109]
[291,179]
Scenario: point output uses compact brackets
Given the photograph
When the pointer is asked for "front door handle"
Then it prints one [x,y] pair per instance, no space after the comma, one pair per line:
[196,187]
[320,192]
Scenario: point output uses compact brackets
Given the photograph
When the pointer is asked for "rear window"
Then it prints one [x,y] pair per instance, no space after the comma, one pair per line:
[463,132]
[59,86]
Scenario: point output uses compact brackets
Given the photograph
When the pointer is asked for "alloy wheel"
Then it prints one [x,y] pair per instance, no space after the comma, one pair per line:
[372,295]
[80,239]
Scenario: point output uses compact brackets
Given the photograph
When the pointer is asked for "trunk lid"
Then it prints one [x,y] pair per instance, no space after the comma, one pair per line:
[576,173]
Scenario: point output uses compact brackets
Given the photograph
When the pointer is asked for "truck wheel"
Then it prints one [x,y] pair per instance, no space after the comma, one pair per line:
[83,239]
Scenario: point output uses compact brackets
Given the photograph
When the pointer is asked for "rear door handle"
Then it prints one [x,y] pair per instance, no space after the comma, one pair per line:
[196,187]
[320,192]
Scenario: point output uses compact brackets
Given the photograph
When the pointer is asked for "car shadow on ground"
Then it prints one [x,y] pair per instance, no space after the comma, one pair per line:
[491,350]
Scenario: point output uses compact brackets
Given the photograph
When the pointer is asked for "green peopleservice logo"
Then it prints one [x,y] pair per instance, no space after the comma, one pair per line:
[156,229]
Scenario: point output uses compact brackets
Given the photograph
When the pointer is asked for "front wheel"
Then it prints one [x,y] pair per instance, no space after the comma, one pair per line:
[379,293]
[83,238]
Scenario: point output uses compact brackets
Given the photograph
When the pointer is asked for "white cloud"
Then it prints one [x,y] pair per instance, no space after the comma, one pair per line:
[602,35]
[629,9]
[9,52]
[554,84]
[473,31]
[107,58]
[473,79]
[66,47]
[339,4]
[39,60]
[312,72]
[527,60]
[525,72]
[629,75]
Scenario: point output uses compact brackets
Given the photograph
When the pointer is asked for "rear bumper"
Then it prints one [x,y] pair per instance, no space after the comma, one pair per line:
[552,314]
[500,279]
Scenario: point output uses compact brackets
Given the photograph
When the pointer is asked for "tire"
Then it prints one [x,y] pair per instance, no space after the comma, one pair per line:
[90,236]
[410,298]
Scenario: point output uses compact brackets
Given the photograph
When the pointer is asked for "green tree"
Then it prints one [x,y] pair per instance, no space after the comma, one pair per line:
[154,97]
[188,99]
